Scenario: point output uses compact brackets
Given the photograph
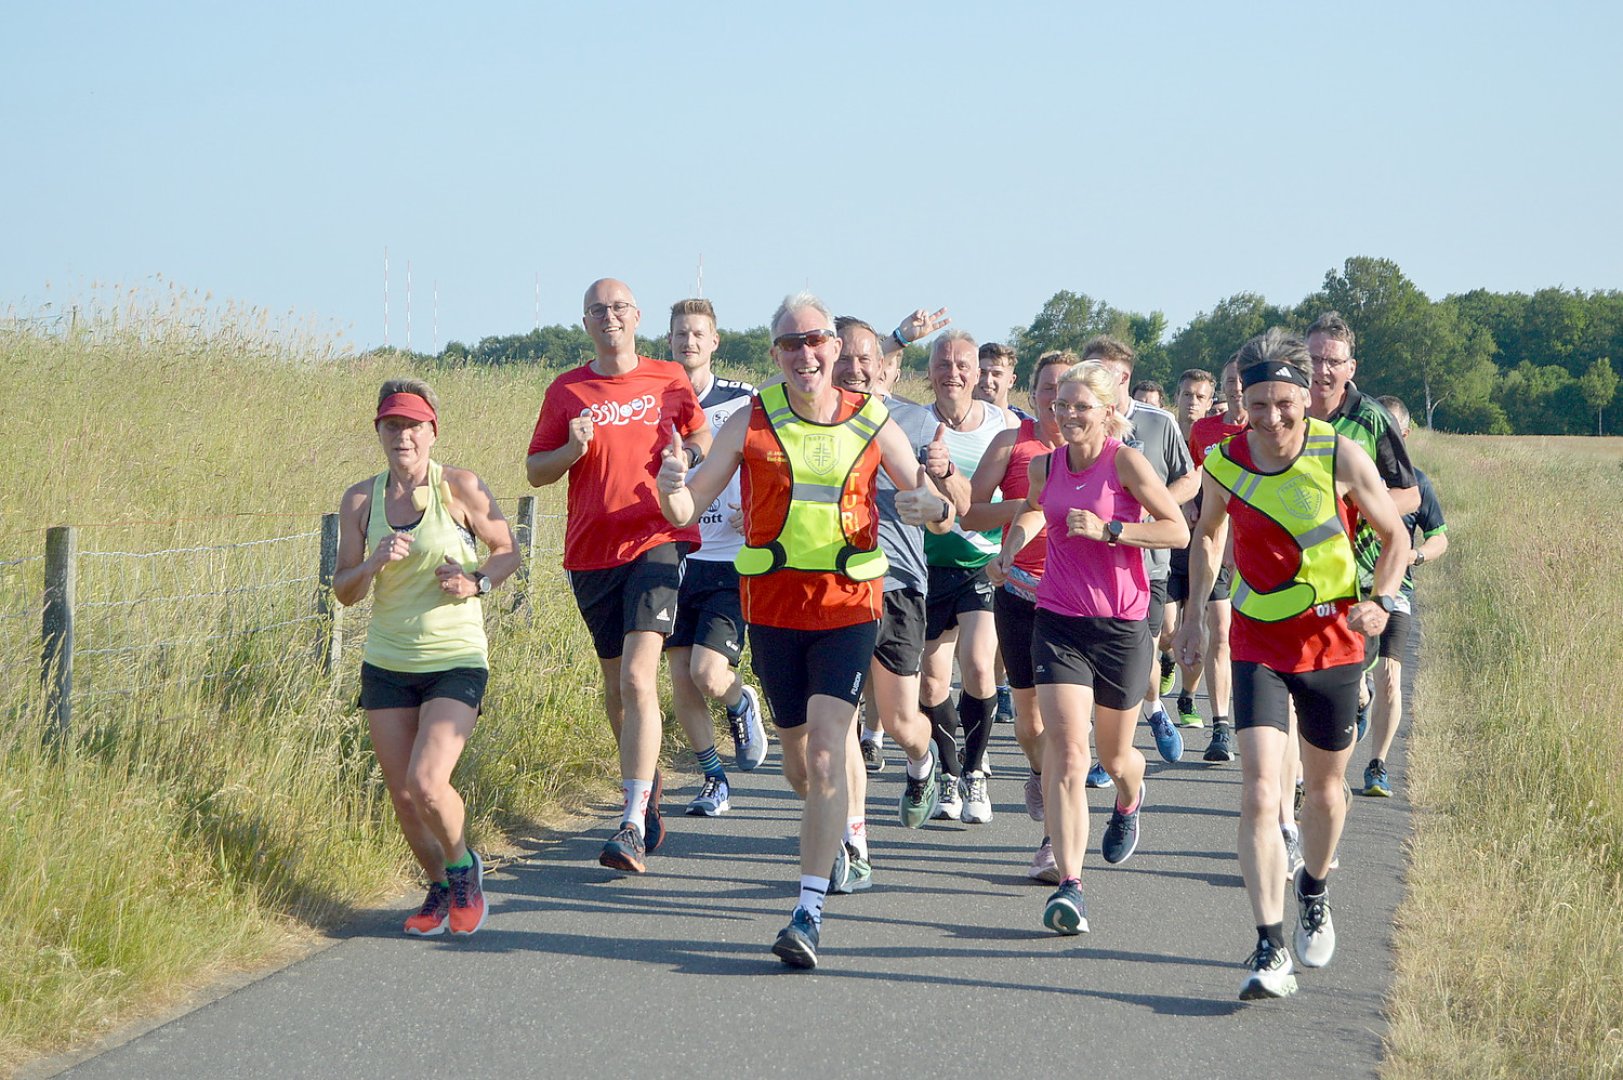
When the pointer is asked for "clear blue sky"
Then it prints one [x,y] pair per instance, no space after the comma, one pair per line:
[981,156]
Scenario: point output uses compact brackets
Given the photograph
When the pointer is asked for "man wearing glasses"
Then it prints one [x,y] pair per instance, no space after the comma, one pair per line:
[606,425]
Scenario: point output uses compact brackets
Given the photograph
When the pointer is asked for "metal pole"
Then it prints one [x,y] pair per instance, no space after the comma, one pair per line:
[332,614]
[56,660]
[524,535]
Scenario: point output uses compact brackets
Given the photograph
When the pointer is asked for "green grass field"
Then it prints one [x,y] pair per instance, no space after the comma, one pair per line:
[219,802]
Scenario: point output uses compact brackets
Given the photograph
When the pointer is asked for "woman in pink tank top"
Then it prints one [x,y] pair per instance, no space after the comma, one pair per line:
[1101,503]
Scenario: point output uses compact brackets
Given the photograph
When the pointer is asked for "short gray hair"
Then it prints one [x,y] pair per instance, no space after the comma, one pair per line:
[1275,344]
[953,333]
[801,301]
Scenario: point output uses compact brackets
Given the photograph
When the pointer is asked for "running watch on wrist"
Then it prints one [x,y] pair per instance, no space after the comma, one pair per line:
[1392,605]
[481,581]
[1419,556]
[1112,531]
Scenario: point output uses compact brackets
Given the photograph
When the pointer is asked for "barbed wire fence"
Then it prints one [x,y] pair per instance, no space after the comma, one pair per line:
[111,627]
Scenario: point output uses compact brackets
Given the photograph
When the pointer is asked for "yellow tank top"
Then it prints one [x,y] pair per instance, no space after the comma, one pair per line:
[415,626]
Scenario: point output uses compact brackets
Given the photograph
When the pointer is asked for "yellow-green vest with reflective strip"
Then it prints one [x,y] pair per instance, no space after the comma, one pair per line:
[820,459]
[1301,499]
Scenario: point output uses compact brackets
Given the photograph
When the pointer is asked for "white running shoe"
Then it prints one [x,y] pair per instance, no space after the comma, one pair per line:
[1272,974]
[1043,868]
[952,801]
[977,800]
[1315,932]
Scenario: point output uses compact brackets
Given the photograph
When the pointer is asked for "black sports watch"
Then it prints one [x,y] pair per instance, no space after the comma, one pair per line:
[1392,605]
[1112,531]
[482,581]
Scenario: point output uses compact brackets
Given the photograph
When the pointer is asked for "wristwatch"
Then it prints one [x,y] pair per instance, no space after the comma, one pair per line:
[1392,605]
[1419,556]
[482,581]
[1112,531]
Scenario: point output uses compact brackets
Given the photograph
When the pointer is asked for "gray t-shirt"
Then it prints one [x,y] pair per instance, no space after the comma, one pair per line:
[1155,435]
[904,544]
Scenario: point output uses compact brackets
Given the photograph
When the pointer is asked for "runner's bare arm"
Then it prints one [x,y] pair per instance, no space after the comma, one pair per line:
[919,499]
[485,520]
[1166,527]
[1028,520]
[1357,477]
[982,513]
[915,328]
[549,466]
[683,497]
[354,574]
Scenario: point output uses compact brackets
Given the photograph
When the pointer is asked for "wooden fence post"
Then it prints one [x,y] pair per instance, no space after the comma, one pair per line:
[524,535]
[331,612]
[56,657]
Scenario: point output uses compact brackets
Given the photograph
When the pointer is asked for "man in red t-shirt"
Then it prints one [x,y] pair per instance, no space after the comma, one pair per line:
[606,425]
[1289,486]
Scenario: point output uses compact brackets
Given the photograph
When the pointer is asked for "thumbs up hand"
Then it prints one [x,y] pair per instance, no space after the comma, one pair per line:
[919,505]
[937,458]
[673,470]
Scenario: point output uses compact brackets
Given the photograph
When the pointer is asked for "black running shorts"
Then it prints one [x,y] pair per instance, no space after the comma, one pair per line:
[1326,702]
[954,591]
[708,610]
[640,595]
[1112,656]
[794,665]
[385,689]
[900,648]
[1016,618]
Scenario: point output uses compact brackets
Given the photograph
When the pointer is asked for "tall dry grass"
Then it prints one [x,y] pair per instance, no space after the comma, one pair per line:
[1510,940]
[219,797]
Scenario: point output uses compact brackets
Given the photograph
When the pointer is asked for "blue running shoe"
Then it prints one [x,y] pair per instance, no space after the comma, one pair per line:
[713,798]
[1098,778]
[1005,705]
[1168,739]
[1121,835]
[797,942]
[1067,912]
[749,733]
[1375,780]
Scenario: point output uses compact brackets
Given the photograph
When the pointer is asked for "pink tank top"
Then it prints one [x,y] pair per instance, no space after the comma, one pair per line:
[1090,578]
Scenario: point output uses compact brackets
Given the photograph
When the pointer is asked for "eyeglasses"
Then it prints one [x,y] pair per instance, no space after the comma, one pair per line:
[811,339]
[1065,408]
[1326,362]
[619,307]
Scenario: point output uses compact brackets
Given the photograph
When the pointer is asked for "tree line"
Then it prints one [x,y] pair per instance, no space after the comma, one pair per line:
[1478,362]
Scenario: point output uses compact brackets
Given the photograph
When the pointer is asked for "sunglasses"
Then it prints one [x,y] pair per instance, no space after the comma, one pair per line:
[811,339]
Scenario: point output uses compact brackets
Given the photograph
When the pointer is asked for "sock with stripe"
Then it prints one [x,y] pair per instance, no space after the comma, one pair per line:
[813,890]
[710,762]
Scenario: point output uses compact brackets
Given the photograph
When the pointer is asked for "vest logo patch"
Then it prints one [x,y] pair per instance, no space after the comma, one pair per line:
[820,453]
[1301,498]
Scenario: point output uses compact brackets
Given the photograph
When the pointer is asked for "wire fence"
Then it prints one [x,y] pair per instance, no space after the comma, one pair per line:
[85,633]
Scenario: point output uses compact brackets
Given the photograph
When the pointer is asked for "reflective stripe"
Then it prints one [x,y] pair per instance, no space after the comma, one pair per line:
[1325,530]
[814,493]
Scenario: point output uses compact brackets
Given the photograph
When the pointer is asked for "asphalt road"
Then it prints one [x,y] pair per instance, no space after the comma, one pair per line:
[941,970]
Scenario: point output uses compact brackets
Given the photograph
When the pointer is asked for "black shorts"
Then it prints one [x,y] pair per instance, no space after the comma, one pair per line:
[900,648]
[953,591]
[1178,583]
[1016,618]
[385,689]
[708,611]
[1395,638]
[794,665]
[1326,702]
[1112,656]
[1156,617]
[640,595]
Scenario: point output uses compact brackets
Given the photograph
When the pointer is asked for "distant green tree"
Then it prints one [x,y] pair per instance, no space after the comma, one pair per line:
[1598,385]
[1069,319]
[1212,337]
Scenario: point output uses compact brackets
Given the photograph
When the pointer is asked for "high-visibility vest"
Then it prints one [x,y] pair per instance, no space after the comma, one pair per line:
[1301,499]
[820,458]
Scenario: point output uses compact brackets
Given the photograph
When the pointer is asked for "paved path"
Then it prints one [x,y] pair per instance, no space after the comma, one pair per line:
[942,970]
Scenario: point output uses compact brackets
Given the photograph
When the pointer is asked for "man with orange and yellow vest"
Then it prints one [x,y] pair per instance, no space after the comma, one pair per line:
[1293,490]
[811,569]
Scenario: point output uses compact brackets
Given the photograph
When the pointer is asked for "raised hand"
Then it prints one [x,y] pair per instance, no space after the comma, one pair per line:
[937,457]
[919,505]
[673,470]
[580,432]
[921,324]
[395,546]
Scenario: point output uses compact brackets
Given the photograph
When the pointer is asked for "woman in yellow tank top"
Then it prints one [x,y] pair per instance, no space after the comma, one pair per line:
[407,536]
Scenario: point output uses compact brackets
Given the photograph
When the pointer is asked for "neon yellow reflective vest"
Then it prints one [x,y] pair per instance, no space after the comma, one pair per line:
[1301,499]
[816,535]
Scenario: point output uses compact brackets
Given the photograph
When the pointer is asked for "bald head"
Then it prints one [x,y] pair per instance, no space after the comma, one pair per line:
[611,318]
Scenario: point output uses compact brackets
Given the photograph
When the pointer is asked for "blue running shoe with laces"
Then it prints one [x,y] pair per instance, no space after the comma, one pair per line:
[1098,778]
[797,943]
[1168,739]
[1067,911]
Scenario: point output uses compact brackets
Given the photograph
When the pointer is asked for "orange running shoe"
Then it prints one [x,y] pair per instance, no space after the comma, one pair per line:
[467,897]
[432,916]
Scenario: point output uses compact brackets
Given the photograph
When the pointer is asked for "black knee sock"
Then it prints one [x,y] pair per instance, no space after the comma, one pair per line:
[976,715]
[944,734]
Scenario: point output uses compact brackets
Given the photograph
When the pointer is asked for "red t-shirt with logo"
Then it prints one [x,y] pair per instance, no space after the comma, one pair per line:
[1267,556]
[1207,432]
[614,511]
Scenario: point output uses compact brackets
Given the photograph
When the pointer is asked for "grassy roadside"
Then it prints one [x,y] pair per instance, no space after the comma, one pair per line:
[219,798]
[1510,940]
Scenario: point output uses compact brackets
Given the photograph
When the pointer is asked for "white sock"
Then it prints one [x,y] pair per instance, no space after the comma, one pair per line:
[1290,830]
[921,768]
[856,834]
[875,737]
[637,795]
[812,892]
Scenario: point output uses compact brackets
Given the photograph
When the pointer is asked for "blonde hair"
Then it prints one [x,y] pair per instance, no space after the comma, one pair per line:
[1102,382]
[409,386]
